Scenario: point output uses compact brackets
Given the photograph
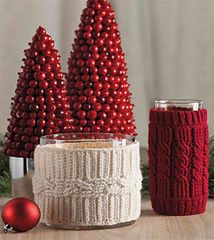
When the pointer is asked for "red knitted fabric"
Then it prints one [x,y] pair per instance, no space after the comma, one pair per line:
[178,161]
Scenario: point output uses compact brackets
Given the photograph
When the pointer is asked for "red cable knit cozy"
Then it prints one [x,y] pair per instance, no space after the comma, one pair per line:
[178,161]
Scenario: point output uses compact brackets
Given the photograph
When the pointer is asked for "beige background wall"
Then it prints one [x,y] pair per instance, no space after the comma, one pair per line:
[169,47]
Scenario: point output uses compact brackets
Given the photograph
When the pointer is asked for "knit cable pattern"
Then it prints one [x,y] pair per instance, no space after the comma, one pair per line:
[178,161]
[87,186]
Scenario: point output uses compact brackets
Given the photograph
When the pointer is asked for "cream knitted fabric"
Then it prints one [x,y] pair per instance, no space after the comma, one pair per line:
[87,186]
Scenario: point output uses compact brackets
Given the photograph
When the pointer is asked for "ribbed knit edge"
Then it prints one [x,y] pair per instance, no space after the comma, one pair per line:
[102,210]
[178,117]
[179,207]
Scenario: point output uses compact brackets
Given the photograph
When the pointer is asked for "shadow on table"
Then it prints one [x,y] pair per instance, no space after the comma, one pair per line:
[148,213]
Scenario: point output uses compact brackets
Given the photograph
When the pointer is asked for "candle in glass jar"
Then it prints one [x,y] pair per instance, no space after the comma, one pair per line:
[178,157]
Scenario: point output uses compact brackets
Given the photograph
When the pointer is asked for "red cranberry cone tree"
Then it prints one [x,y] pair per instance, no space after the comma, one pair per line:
[97,84]
[40,106]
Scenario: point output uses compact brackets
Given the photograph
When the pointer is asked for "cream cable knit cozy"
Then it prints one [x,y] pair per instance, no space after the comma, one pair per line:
[84,186]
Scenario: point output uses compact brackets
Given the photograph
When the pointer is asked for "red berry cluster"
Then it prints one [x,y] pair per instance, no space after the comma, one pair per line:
[97,77]
[40,106]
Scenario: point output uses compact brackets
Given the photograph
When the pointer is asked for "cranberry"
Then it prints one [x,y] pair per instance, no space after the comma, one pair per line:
[49,75]
[48,131]
[98,18]
[50,124]
[50,44]
[41,31]
[103,71]
[83,122]
[29,147]
[87,129]
[100,123]
[23,154]
[25,139]
[36,68]
[39,131]
[106,108]
[81,114]
[34,107]
[82,99]
[29,99]
[39,75]
[31,122]
[89,92]
[30,91]
[40,122]
[99,42]
[96,6]
[90,63]
[98,27]
[102,115]
[46,67]
[47,52]
[79,85]
[92,115]
[87,35]
[77,106]
[85,77]
[92,99]
[112,114]
[40,100]
[43,84]
[40,45]
[91,123]
[94,78]
[32,115]
[90,41]
[34,139]
[80,63]
[40,59]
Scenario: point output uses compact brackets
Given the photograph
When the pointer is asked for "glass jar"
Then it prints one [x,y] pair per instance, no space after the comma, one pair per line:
[21,171]
[178,157]
[89,138]
[88,180]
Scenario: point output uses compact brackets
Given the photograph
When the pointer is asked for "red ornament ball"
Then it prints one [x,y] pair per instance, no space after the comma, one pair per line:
[20,214]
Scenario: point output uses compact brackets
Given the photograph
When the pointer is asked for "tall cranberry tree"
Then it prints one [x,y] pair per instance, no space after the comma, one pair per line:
[40,106]
[97,84]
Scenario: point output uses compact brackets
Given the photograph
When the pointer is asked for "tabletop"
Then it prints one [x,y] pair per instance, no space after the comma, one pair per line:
[149,226]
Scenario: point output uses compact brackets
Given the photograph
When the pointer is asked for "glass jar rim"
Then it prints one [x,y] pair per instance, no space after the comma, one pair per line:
[178,104]
[89,137]
[179,101]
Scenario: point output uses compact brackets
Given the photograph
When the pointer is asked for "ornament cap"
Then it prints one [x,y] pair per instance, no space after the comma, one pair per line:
[7,228]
